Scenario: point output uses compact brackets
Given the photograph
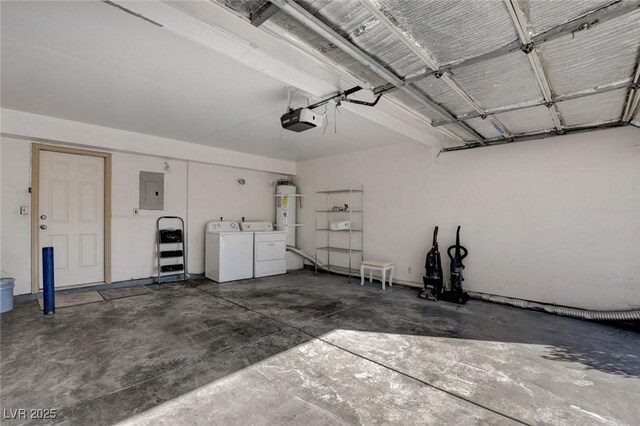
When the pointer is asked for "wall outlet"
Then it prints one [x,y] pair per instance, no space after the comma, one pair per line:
[24,210]
[409,269]
[136,212]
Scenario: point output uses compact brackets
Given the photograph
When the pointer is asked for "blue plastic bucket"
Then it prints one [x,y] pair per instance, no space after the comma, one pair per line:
[6,294]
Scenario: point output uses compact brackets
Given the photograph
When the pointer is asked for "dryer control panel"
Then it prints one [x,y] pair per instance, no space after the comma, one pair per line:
[256,226]
[222,226]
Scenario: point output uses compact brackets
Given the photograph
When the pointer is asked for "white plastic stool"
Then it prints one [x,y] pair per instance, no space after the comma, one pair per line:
[377,265]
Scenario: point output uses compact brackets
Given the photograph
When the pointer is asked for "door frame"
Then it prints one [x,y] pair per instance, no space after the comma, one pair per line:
[36,149]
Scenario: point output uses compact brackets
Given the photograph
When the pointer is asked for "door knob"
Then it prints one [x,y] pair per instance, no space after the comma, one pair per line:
[43,217]
[43,226]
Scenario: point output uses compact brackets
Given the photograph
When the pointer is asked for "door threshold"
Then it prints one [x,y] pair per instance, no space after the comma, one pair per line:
[82,288]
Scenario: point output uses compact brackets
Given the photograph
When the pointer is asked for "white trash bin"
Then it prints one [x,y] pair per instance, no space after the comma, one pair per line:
[6,294]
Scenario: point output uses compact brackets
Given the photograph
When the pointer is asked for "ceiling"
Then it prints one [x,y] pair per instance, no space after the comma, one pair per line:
[528,69]
[490,72]
[93,63]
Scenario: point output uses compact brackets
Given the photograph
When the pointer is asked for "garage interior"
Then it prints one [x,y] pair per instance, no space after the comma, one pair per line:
[320,212]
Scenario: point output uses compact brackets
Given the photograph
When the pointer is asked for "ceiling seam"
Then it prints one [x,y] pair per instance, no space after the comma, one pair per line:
[132,13]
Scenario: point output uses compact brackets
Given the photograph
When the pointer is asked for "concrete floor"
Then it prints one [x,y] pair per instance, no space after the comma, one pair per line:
[300,349]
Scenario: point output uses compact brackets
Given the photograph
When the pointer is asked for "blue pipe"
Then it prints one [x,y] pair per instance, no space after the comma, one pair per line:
[48,281]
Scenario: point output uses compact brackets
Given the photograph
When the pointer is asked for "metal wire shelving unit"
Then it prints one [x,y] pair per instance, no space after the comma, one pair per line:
[353,197]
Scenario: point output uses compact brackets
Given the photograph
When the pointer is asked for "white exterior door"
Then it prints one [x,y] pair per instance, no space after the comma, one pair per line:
[71,216]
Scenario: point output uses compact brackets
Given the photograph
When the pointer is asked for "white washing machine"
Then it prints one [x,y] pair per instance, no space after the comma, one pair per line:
[228,252]
[269,248]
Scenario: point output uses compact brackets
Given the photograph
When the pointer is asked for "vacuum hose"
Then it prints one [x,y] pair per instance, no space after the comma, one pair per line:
[564,311]
[305,256]
[312,259]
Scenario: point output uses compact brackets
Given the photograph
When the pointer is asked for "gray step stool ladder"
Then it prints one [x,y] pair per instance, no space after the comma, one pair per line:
[166,237]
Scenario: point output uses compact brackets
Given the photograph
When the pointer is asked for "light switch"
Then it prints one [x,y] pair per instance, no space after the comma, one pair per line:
[24,210]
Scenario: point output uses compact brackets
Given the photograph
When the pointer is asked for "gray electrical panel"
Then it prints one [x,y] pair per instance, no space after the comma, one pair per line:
[151,191]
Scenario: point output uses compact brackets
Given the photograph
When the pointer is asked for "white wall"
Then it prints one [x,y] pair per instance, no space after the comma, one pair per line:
[555,220]
[195,191]
[15,248]
[2,273]
[398,206]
